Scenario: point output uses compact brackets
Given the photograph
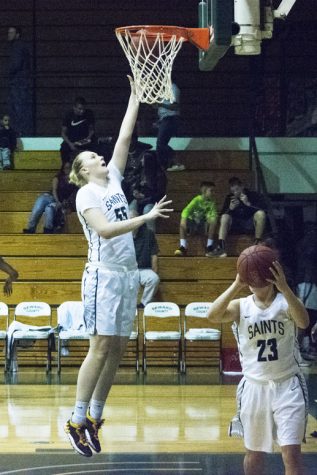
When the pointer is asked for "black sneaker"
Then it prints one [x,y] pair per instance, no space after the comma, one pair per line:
[28,230]
[92,429]
[77,436]
[219,252]
[181,252]
[209,251]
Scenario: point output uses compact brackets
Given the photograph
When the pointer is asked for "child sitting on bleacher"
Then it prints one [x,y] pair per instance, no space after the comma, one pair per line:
[199,216]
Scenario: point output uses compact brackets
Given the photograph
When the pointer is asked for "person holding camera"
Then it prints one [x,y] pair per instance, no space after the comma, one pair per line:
[243,211]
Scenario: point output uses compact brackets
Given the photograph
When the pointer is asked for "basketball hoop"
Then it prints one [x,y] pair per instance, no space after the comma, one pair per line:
[151,51]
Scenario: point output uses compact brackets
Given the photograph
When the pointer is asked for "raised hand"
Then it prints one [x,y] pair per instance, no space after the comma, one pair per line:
[159,210]
[132,85]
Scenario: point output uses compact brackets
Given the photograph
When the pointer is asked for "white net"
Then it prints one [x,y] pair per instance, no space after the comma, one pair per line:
[151,61]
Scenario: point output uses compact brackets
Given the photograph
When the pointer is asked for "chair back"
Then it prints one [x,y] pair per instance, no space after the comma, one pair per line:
[38,313]
[196,314]
[158,310]
[4,312]
[197,309]
[70,315]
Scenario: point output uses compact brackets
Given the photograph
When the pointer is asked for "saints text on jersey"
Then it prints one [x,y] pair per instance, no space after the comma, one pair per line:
[115,199]
[265,327]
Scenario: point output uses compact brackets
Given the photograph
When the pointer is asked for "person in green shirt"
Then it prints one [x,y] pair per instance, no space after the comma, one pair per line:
[199,216]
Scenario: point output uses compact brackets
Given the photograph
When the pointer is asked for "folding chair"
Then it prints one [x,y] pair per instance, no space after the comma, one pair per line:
[155,315]
[4,323]
[199,336]
[24,333]
[133,345]
[71,327]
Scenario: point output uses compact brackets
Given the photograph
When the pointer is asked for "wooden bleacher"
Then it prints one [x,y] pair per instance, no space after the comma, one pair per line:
[50,266]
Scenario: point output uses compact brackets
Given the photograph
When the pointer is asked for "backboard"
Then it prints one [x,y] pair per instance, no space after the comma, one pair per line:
[219,15]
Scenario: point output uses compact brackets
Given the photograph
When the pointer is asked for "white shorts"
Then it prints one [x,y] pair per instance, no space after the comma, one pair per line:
[276,411]
[110,299]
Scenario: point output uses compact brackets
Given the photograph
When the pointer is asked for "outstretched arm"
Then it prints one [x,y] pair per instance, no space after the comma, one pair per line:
[121,149]
[12,273]
[108,230]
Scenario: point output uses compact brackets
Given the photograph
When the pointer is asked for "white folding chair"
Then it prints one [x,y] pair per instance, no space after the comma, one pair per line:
[197,330]
[71,326]
[4,323]
[157,315]
[32,323]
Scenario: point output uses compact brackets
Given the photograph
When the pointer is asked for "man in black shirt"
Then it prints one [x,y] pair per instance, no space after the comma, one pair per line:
[146,250]
[78,130]
[243,211]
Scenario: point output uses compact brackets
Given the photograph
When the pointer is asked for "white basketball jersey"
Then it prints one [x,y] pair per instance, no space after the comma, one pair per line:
[266,340]
[113,204]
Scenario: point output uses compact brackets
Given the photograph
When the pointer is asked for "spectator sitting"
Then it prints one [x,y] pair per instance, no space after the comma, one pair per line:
[54,204]
[8,143]
[78,130]
[146,250]
[243,211]
[199,216]
[148,187]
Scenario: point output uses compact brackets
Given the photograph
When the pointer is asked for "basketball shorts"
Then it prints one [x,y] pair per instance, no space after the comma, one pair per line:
[110,299]
[276,411]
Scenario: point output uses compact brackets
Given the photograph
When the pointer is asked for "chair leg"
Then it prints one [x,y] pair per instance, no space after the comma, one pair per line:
[144,356]
[180,355]
[13,361]
[184,358]
[137,355]
[58,355]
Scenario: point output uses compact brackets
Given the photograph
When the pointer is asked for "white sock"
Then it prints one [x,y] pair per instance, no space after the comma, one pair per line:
[80,411]
[210,242]
[96,408]
[183,242]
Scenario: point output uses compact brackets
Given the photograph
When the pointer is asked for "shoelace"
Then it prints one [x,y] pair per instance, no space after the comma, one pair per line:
[80,431]
[96,426]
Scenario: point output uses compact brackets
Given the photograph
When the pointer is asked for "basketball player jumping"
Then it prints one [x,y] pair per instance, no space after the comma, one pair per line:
[110,280]
[272,395]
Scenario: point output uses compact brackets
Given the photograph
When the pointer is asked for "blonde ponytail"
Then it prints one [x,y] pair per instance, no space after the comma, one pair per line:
[75,175]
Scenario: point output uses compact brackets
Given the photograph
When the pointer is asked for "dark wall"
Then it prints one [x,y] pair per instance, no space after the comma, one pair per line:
[76,53]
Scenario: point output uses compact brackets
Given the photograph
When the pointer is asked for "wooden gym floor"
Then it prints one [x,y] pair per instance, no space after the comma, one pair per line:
[159,424]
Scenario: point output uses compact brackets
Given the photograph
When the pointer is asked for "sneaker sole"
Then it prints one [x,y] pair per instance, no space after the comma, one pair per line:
[77,450]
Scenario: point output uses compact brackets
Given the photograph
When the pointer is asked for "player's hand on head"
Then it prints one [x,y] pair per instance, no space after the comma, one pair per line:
[239,282]
[159,210]
[278,279]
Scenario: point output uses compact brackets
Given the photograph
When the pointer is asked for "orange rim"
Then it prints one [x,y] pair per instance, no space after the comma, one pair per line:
[200,37]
